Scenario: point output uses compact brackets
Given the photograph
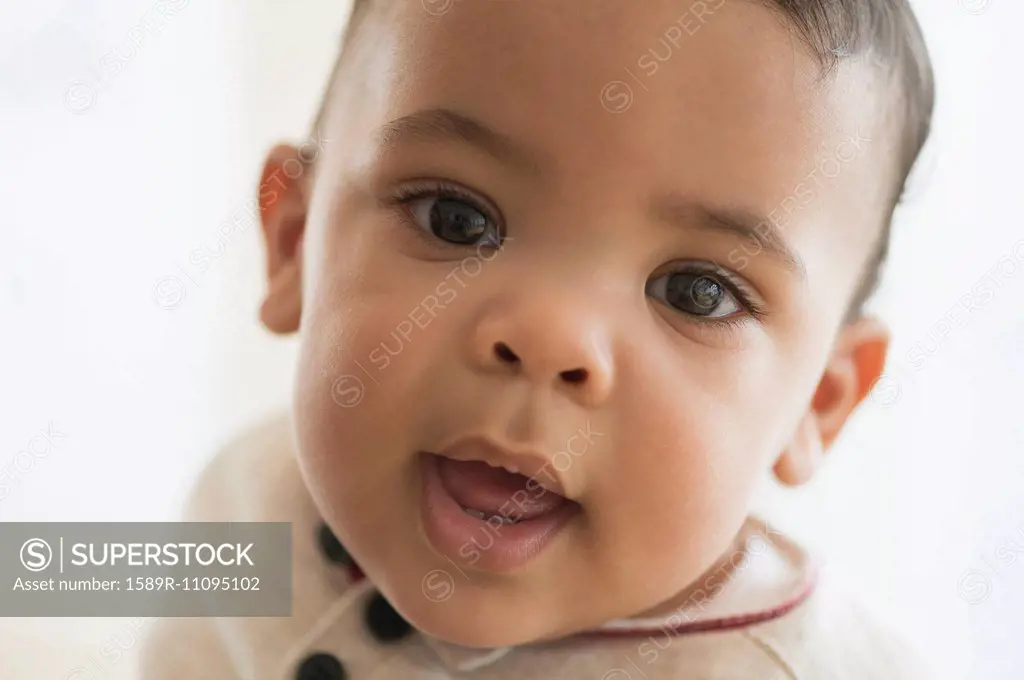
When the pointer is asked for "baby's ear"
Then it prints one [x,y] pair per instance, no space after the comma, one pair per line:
[283,201]
[856,363]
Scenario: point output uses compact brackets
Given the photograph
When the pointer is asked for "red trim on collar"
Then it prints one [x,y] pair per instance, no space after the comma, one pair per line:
[355,574]
[717,625]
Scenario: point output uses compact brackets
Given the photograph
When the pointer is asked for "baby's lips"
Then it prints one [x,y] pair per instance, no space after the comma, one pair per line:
[531,464]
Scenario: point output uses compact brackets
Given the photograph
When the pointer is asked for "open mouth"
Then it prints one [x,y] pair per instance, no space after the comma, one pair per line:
[491,517]
[497,494]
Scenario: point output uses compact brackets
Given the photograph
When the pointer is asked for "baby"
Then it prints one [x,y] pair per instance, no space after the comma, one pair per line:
[570,279]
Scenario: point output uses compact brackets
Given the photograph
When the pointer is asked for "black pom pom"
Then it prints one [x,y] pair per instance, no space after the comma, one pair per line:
[332,547]
[384,622]
[320,666]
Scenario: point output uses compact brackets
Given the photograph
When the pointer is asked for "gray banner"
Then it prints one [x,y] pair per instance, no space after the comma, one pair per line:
[145,569]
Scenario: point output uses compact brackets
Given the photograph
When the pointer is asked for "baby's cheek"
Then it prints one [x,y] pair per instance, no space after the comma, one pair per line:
[684,472]
[339,402]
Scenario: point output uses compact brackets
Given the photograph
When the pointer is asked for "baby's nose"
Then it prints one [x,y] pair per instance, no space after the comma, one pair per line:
[550,345]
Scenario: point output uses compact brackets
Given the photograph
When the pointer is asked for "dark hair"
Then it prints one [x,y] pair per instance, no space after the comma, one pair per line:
[884,31]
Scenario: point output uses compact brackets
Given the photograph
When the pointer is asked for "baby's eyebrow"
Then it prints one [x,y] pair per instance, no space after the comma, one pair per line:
[442,124]
[446,125]
[677,210]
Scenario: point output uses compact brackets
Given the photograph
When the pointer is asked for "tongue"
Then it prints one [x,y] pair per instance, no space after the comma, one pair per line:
[477,485]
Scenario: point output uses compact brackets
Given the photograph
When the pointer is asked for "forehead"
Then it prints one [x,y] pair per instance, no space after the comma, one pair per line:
[714,99]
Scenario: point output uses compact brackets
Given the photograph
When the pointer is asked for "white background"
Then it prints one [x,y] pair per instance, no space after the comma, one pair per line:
[108,183]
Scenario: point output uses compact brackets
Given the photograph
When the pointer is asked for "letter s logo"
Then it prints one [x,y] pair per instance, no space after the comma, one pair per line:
[36,554]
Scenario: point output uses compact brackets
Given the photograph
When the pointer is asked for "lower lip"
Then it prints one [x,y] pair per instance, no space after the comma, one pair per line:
[473,542]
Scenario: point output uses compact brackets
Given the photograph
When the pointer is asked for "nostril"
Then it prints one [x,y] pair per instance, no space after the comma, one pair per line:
[505,353]
[575,376]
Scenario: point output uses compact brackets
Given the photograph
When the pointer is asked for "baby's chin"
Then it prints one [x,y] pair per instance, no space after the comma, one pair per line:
[445,604]
[482,616]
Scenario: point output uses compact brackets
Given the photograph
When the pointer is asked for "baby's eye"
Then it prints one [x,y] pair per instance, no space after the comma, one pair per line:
[696,293]
[454,220]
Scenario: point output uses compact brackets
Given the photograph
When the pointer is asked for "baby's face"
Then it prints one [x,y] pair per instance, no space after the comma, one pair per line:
[616,239]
